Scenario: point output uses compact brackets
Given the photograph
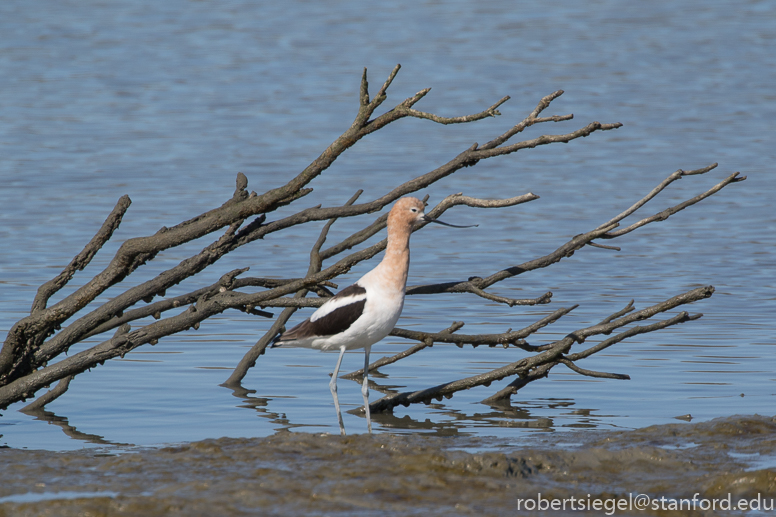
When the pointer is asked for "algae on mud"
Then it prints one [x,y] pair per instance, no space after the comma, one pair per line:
[411,474]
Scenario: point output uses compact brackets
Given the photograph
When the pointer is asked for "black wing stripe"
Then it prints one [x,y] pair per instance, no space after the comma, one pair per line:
[347,296]
[338,320]
[351,290]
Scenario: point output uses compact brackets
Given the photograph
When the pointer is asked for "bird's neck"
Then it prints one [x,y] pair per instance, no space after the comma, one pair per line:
[396,262]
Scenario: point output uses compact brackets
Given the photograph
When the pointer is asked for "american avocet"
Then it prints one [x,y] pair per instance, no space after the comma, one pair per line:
[364,313]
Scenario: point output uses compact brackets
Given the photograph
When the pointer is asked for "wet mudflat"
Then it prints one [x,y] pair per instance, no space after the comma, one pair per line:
[318,474]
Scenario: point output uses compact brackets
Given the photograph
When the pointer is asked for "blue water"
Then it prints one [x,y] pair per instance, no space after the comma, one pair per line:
[167,101]
[32,497]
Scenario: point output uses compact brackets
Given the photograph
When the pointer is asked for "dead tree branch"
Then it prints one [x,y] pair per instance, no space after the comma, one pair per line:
[47,290]
[406,353]
[33,355]
[604,231]
[316,262]
[55,393]
[552,354]
[668,212]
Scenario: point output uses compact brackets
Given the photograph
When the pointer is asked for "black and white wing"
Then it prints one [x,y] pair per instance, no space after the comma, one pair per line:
[333,317]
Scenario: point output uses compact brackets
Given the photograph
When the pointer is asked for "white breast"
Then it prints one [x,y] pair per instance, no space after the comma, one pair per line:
[381,312]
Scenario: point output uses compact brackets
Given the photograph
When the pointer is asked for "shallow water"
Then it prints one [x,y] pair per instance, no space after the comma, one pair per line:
[167,102]
[304,474]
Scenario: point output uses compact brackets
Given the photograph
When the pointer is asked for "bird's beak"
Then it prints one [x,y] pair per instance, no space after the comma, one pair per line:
[427,219]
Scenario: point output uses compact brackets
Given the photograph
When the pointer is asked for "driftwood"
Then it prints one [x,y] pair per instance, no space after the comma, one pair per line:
[33,355]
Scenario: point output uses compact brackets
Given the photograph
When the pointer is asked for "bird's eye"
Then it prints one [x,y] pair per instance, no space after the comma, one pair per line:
[413,210]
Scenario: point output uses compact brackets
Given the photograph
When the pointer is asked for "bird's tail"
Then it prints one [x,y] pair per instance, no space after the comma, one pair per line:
[277,341]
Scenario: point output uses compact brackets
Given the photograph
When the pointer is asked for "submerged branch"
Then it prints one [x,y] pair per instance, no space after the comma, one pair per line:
[49,396]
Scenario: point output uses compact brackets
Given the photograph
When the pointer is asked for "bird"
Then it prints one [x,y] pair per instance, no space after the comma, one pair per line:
[364,313]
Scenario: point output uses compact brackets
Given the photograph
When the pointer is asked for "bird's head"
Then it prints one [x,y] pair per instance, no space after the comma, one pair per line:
[409,212]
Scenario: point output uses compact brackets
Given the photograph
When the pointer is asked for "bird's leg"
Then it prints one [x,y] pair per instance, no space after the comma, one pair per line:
[365,389]
[333,388]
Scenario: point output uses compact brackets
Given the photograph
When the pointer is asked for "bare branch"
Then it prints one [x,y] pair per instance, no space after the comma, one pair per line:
[476,283]
[82,259]
[446,390]
[226,282]
[49,396]
[345,264]
[115,307]
[544,140]
[384,88]
[668,212]
[490,112]
[545,298]
[513,338]
[529,120]
[428,342]
[459,199]
[604,246]
[549,356]
[625,310]
[445,204]
[364,97]
[243,219]
[655,191]
[565,250]
[229,241]
[271,283]
[524,378]
[679,318]
[591,373]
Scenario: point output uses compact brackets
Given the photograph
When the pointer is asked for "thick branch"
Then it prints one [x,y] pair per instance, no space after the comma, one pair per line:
[156,309]
[550,355]
[20,343]
[115,307]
